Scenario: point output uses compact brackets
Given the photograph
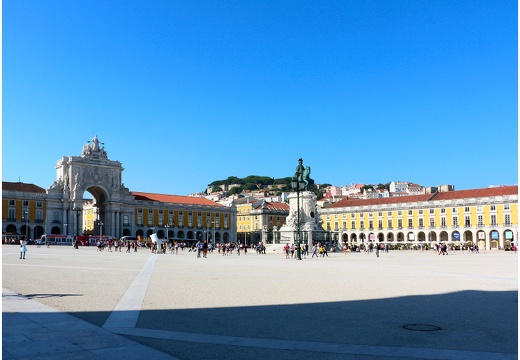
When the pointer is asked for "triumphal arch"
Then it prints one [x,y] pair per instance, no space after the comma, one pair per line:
[95,173]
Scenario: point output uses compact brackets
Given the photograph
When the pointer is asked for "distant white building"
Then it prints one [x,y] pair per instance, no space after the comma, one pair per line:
[352,190]
[398,187]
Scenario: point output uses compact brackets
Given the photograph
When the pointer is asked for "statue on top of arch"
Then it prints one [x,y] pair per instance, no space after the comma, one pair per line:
[92,148]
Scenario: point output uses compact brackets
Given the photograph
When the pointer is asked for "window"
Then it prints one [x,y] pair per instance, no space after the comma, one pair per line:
[139,210]
[371,224]
[410,212]
[126,220]
[150,211]
[389,213]
[25,203]
[467,221]
[335,226]
[432,211]
[480,220]
[410,223]
[380,224]
[493,219]
[506,206]
[39,204]
[399,213]
[492,208]
[455,221]
[421,223]
[39,215]
[56,216]
[11,202]
[160,211]
[353,225]
[421,212]
[507,219]
[11,214]
[400,223]
[479,208]
[443,211]
[466,209]
[380,214]
[389,224]
[344,225]
[361,224]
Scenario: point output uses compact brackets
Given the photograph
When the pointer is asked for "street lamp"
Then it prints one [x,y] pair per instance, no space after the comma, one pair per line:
[77,211]
[100,223]
[166,226]
[27,224]
[298,184]
[214,226]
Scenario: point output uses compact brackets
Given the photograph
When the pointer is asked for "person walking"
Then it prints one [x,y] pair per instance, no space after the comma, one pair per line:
[199,248]
[205,249]
[314,250]
[23,248]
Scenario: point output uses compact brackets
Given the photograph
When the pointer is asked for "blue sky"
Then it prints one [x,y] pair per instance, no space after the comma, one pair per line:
[183,93]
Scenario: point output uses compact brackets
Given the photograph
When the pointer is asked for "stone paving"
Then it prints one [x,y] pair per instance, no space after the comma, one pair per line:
[82,304]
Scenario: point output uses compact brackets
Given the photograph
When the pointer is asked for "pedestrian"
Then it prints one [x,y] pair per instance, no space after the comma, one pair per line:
[325,251]
[199,248]
[286,249]
[314,250]
[128,244]
[205,249]
[377,250]
[23,248]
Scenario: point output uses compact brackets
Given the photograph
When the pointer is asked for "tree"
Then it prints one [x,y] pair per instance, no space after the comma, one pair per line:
[235,190]
[216,188]
[249,186]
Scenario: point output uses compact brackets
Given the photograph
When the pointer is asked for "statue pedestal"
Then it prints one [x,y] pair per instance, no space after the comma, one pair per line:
[308,221]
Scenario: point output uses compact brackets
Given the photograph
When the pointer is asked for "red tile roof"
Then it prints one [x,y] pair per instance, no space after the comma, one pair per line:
[20,186]
[379,201]
[277,206]
[448,195]
[176,199]
[477,193]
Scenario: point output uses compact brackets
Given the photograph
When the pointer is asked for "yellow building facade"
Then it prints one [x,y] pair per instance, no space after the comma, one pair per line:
[484,217]
[256,220]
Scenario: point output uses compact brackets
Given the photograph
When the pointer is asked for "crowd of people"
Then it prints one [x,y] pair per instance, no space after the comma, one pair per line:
[203,248]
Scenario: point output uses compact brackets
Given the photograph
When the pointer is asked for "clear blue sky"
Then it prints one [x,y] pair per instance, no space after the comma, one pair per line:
[183,93]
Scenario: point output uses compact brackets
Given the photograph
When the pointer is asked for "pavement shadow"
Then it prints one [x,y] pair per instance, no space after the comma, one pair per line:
[33,296]
[465,320]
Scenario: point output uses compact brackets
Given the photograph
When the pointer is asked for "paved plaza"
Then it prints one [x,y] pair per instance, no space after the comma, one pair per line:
[63,303]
